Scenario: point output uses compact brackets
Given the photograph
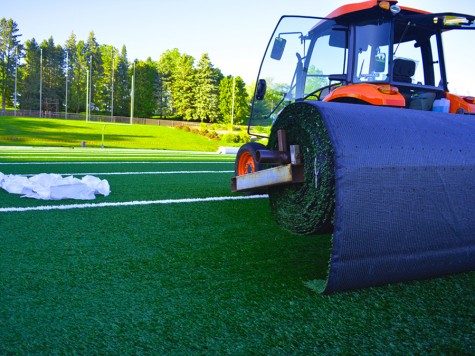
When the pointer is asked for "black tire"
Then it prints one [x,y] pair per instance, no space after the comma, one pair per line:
[246,161]
[247,155]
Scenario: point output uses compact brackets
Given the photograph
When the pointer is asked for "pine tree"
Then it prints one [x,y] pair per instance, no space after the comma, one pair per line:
[166,67]
[96,71]
[233,100]
[79,78]
[182,86]
[53,76]
[104,87]
[241,101]
[146,77]
[206,90]
[122,85]
[29,85]
[76,74]
[10,50]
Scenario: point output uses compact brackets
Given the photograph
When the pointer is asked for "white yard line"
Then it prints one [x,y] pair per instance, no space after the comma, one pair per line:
[130,173]
[118,162]
[130,203]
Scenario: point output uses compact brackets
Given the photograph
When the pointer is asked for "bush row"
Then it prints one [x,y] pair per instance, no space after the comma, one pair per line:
[240,137]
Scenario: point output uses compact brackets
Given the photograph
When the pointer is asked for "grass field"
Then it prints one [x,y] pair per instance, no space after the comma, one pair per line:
[21,131]
[170,263]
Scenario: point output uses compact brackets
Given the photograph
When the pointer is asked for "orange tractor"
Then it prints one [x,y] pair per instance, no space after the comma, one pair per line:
[367,142]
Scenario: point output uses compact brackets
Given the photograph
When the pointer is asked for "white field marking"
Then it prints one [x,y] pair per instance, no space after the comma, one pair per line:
[130,203]
[108,158]
[130,173]
[81,154]
[108,162]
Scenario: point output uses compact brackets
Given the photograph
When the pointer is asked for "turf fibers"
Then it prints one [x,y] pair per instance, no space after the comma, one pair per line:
[198,278]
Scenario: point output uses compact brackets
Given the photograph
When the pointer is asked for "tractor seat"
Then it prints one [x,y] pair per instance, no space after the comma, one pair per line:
[403,70]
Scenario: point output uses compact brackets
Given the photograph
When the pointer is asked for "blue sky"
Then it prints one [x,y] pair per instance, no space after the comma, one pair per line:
[234,34]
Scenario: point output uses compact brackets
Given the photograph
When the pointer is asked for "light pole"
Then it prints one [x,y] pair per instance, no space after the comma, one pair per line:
[16,75]
[67,75]
[41,81]
[90,86]
[112,87]
[87,95]
[132,94]
[232,105]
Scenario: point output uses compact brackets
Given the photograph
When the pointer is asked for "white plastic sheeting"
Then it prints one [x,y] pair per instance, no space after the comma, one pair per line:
[54,187]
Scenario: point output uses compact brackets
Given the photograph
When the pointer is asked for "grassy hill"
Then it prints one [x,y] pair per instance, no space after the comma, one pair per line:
[23,131]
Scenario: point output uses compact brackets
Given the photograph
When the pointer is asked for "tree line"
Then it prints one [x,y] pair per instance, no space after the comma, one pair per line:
[50,77]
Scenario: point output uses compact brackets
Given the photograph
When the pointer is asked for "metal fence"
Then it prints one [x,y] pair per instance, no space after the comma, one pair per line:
[96,118]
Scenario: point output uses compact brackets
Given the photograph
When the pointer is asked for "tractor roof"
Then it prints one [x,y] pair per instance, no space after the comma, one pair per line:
[370,7]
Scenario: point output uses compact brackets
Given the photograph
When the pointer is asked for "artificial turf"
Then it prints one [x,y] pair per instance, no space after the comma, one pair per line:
[198,278]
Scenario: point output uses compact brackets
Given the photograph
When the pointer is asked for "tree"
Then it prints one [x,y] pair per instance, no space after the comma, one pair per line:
[122,85]
[233,100]
[206,90]
[30,79]
[96,71]
[75,69]
[146,77]
[10,50]
[105,86]
[53,76]
[182,86]
[166,67]
[79,78]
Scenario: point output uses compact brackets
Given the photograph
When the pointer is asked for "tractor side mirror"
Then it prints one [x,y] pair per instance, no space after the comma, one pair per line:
[261,89]
[278,48]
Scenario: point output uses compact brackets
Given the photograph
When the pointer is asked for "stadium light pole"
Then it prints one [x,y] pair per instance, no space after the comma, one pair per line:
[41,81]
[90,86]
[112,87]
[67,75]
[87,95]
[232,106]
[132,95]
[16,75]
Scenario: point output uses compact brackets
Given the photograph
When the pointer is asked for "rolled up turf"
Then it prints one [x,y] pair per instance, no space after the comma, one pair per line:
[395,186]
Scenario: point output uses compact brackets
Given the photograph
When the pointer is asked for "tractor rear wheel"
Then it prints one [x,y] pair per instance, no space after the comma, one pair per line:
[246,161]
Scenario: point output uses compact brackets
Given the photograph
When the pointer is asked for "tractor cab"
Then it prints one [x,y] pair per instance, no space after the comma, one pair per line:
[373,53]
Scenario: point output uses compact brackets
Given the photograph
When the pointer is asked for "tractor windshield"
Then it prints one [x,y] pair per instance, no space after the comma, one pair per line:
[305,55]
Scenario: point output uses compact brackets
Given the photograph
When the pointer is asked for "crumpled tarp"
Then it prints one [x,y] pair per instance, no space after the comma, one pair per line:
[397,186]
[54,187]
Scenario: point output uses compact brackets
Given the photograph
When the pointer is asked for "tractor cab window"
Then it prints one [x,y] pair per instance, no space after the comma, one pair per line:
[302,53]
[415,55]
[328,61]
[372,52]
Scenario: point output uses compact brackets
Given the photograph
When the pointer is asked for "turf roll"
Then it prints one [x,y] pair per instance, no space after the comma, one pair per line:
[396,187]
[306,208]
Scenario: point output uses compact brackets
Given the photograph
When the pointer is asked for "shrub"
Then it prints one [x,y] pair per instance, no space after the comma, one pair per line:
[241,137]
[228,138]
[203,127]
[244,137]
[212,135]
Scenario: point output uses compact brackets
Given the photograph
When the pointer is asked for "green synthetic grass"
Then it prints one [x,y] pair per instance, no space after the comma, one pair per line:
[21,131]
[196,278]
